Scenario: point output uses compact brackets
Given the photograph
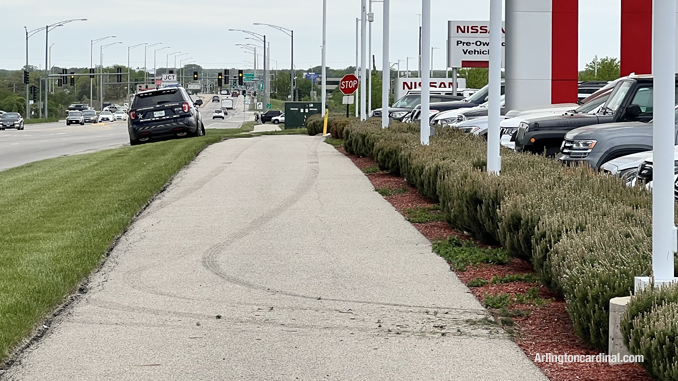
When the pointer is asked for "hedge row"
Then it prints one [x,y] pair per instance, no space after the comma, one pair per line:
[586,235]
[335,125]
[650,328]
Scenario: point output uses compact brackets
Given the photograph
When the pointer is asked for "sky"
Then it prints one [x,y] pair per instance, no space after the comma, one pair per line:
[201,30]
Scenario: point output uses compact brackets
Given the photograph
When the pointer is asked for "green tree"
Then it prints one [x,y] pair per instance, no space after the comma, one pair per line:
[606,69]
[475,77]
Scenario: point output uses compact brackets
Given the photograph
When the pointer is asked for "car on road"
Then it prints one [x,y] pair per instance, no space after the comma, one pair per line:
[106,116]
[90,116]
[235,94]
[120,115]
[407,103]
[278,119]
[218,113]
[11,120]
[215,98]
[268,115]
[168,112]
[78,107]
[75,117]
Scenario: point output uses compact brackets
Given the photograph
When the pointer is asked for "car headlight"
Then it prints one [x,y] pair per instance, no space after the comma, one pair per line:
[445,122]
[584,144]
[460,118]
[398,114]
[470,129]
[524,126]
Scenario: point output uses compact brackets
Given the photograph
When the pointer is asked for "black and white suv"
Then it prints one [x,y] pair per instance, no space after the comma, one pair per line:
[168,112]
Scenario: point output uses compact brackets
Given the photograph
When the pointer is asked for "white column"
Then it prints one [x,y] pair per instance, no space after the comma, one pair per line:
[370,19]
[357,57]
[324,80]
[386,67]
[425,74]
[663,68]
[493,159]
[363,54]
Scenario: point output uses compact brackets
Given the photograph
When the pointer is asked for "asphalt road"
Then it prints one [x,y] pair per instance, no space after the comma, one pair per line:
[49,140]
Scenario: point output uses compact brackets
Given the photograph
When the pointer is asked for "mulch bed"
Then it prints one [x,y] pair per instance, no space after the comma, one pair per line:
[544,329]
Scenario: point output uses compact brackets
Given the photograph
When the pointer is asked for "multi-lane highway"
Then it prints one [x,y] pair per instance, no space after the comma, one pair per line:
[49,140]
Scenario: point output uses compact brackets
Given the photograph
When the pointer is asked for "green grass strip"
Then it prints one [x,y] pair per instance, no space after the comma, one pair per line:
[60,216]
[462,254]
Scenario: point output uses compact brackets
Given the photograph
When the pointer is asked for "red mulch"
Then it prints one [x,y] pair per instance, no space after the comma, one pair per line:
[546,329]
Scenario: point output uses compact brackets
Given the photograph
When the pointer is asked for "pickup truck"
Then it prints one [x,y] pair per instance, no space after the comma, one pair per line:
[630,101]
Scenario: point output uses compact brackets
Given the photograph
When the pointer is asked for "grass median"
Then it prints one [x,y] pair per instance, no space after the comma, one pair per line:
[60,216]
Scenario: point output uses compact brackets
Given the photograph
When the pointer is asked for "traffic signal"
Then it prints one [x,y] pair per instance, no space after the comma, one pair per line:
[119,76]
[240,78]
[219,79]
[26,77]
[195,75]
[91,72]
[72,78]
[244,93]
[227,74]
[254,94]
[64,78]
[60,81]
[35,93]
[171,71]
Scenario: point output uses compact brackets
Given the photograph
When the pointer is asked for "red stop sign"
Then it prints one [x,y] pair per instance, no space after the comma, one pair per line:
[349,84]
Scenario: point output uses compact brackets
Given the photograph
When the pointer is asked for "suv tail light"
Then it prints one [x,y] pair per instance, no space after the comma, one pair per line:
[184,107]
[133,114]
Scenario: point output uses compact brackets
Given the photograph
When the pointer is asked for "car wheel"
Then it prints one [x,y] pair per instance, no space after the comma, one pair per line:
[82,124]
[133,142]
[276,121]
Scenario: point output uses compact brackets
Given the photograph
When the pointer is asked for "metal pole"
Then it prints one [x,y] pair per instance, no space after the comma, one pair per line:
[91,66]
[40,97]
[46,73]
[292,65]
[28,102]
[101,78]
[357,47]
[386,68]
[493,159]
[454,80]
[128,71]
[363,57]
[369,63]
[425,76]
[145,69]
[323,73]
[663,68]
[266,95]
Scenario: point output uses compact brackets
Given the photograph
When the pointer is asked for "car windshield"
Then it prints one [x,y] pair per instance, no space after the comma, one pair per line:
[617,97]
[218,111]
[75,113]
[408,101]
[10,115]
[157,97]
[590,106]
[89,113]
[106,113]
[479,95]
[120,112]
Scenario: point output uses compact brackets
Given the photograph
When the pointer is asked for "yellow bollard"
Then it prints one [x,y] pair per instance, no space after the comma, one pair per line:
[327,112]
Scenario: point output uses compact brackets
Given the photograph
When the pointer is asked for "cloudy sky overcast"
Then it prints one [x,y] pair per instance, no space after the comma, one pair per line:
[200,28]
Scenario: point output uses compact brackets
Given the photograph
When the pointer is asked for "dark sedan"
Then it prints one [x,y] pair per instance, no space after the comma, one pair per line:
[11,120]
[90,116]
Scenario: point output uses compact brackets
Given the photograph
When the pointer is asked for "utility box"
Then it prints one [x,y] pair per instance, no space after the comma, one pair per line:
[296,113]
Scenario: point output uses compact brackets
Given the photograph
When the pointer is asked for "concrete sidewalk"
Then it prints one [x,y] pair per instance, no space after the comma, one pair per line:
[273,258]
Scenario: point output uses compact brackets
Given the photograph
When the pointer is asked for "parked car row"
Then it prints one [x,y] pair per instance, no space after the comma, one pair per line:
[610,131]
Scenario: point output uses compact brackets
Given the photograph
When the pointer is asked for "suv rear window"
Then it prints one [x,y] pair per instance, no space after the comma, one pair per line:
[157,97]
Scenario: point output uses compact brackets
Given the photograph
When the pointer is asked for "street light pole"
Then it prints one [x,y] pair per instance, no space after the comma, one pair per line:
[432,49]
[47,29]
[363,67]
[145,54]
[175,60]
[290,33]
[323,73]
[91,66]
[101,77]
[261,37]
[167,60]
[357,54]
[28,35]
[386,73]
[129,82]
[155,51]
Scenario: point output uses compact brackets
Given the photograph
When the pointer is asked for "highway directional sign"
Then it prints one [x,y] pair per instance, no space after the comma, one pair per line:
[248,77]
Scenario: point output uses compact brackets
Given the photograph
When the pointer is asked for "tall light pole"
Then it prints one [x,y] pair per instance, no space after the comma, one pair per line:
[386,69]
[494,92]
[175,60]
[357,57]
[432,49]
[50,63]
[363,67]
[253,49]
[128,66]
[407,66]
[267,57]
[155,51]
[323,73]
[181,65]
[145,54]
[91,66]
[290,33]
[28,35]
[47,29]
[425,75]
[167,59]
[101,77]
[261,37]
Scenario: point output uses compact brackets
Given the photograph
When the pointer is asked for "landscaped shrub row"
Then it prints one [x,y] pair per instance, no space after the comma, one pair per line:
[335,125]
[587,235]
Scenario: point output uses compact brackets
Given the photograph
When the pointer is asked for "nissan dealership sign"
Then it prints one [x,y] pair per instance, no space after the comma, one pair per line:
[468,44]
[438,85]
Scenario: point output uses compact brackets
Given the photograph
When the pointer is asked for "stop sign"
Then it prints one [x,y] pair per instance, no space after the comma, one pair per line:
[349,84]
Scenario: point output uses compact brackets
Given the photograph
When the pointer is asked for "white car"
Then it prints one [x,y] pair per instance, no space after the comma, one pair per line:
[278,119]
[120,115]
[218,113]
[106,116]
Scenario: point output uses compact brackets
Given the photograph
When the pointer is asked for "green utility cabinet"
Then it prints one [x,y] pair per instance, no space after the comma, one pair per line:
[296,113]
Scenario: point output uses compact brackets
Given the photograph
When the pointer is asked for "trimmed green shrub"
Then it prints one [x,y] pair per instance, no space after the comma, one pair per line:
[314,124]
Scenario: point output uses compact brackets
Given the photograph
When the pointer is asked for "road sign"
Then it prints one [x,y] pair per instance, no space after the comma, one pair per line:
[268,105]
[169,77]
[349,84]
[194,86]
[248,77]
[261,86]
[260,105]
[348,100]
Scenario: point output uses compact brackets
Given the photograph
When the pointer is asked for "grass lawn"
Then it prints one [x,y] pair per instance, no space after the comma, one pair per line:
[277,104]
[60,216]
